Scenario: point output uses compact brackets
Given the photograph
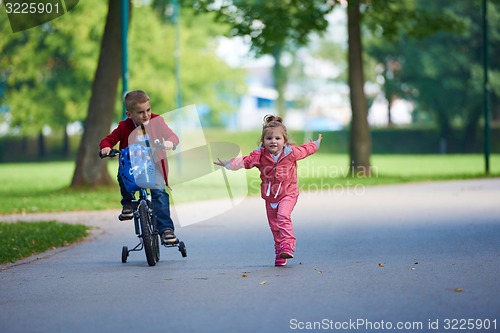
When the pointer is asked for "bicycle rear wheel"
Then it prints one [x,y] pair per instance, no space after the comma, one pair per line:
[156,240]
[148,233]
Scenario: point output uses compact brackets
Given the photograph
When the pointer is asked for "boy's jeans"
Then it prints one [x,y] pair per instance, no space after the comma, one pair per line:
[161,205]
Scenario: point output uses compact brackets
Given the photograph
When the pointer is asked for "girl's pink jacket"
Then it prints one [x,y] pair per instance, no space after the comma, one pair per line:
[279,179]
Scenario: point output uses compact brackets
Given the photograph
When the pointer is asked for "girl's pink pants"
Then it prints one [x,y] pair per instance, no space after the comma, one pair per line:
[280,222]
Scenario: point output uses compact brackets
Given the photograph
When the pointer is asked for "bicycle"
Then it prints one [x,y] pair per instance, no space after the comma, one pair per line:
[146,227]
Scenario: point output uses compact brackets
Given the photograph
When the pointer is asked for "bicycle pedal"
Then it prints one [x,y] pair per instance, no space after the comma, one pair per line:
[170,242]
[125,218]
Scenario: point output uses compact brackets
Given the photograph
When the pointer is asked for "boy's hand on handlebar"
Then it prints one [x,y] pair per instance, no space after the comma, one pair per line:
[108,152]
[105,151]
[169,145]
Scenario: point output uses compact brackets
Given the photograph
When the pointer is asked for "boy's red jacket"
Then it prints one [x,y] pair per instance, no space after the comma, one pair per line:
[157,129]
[125,127]
[279,179]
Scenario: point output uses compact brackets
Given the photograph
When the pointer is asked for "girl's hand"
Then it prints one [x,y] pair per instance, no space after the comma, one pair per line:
[319,138]
[220,162]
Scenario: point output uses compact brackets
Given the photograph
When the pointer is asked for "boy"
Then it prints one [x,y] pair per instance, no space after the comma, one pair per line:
[138,111]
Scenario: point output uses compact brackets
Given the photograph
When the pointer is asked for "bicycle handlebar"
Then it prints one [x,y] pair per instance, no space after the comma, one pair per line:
[112,153]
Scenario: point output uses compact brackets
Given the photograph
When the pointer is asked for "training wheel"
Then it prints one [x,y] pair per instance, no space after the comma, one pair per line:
[124,254]
[182,249]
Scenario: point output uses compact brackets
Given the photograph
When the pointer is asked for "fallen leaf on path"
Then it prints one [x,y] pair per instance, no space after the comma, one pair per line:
[458,290]
[263,282]
[381,264]
[244,275]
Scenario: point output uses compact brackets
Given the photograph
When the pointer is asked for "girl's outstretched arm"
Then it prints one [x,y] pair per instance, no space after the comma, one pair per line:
[247,162]
[307,149]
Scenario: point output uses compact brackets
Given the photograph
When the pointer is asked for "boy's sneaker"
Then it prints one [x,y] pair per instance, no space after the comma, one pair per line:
[168,237]
[286,251]
[279,261]
[126,214]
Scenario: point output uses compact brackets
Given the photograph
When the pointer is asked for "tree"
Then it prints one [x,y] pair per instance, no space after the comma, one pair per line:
[50,88]
[390,19]
[204,77]
[444,84]
[151,69]
[54,87]
[360,140]
[102,104]
[272,25]
[273,28]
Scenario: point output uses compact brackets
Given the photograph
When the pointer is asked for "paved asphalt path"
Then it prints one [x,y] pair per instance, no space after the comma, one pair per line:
[369,259]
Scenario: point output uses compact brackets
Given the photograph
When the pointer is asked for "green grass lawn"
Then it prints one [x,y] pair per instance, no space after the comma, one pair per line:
[44,187]
[22,239]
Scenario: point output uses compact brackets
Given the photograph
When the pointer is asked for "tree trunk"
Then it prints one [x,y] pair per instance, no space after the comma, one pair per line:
[389,113]
[444,129]
[90,170]
[42,149]
[360,139]
[66,146]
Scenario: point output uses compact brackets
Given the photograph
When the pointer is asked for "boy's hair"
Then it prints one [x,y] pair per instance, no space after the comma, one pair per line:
[134,97]
[271,121]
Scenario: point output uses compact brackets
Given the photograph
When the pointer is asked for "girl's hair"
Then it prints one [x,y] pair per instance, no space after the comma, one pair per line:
[134,97]
[271,121]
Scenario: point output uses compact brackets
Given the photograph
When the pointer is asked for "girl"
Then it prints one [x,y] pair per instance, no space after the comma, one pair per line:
[277,161]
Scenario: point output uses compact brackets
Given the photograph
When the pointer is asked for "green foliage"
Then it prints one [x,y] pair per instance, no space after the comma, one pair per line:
[271,27]
[270,24]
[47,70]
[394,19]
[205,79]
[441,72]
[22,239]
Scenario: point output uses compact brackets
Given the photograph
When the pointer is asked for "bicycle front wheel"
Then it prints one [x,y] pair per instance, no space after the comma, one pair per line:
[148,233]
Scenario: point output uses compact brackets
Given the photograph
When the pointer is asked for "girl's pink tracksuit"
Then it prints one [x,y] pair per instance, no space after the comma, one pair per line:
[279,186]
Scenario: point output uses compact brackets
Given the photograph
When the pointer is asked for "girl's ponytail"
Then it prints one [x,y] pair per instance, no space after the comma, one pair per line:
[270,118]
